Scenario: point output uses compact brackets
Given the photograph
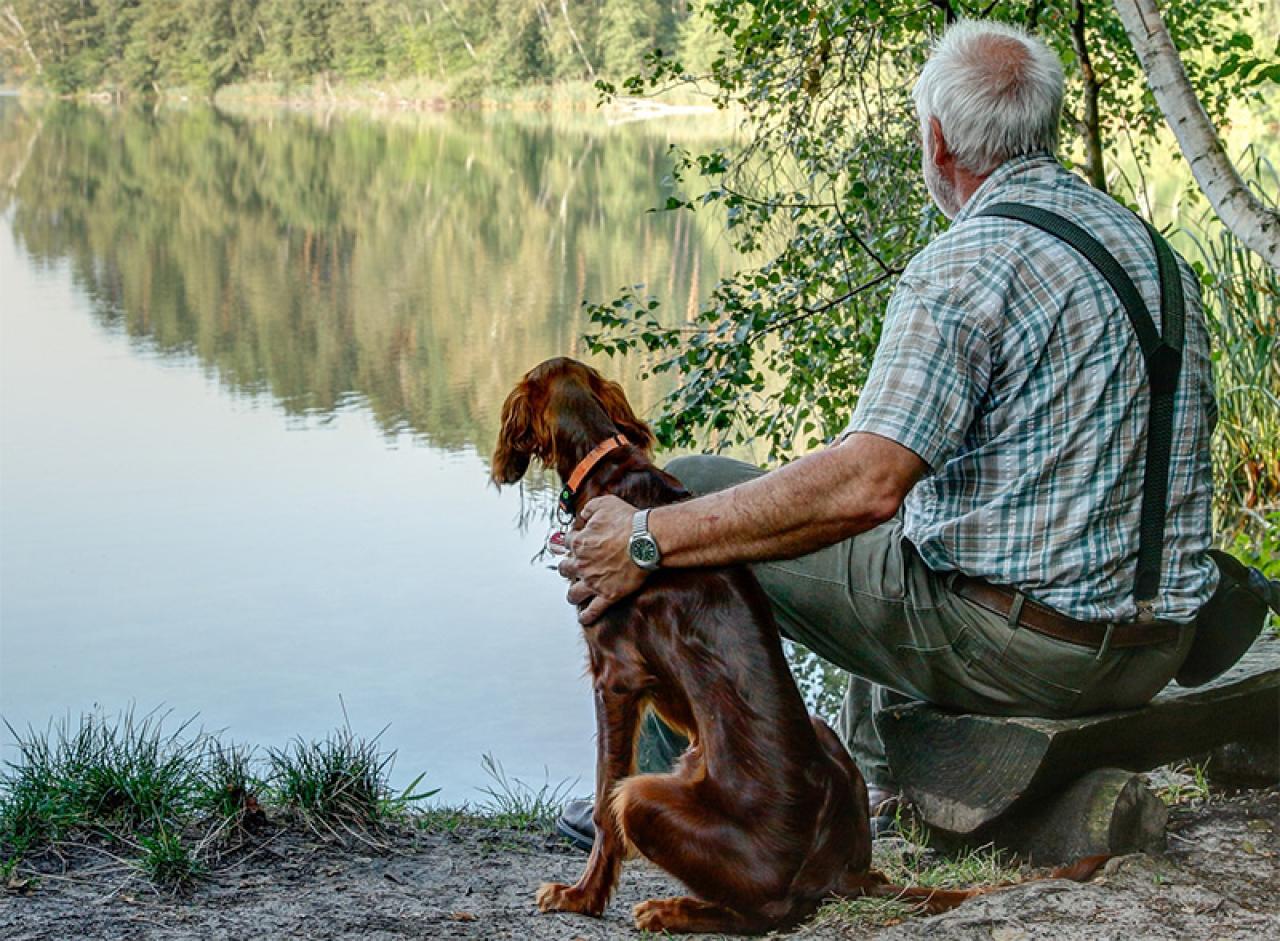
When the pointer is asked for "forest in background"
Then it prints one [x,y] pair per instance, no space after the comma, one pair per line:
[465,45]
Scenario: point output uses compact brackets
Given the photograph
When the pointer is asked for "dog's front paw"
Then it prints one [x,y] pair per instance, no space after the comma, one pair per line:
[558,897]
[648,916]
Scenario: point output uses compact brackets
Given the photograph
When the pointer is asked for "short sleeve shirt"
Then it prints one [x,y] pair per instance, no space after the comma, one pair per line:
[1009,366]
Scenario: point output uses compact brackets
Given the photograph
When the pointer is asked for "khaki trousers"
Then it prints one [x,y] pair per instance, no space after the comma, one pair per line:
[870,606]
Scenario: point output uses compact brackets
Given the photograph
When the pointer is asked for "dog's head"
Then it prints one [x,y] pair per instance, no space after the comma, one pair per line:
[561,404]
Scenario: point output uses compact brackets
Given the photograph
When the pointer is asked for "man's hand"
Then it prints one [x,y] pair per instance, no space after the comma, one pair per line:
[599,561]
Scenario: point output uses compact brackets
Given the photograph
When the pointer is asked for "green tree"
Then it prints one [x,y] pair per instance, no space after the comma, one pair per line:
[824,204]
[357,37]
[297,43]
[700,44]
[518,49]
[61,41]
[222,39]
[629,29]
[155,48]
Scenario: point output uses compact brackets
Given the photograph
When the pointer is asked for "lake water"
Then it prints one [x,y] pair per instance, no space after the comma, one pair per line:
[250,373]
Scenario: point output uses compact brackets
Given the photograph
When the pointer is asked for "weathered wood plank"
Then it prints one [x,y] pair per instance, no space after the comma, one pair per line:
[964,771]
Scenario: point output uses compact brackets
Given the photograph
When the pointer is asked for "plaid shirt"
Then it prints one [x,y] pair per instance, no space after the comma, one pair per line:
[1009,366]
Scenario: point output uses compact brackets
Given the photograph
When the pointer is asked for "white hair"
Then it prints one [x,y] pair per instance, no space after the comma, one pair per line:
[995,89]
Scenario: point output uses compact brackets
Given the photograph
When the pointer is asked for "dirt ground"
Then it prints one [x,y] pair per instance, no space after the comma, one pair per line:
[1220,879]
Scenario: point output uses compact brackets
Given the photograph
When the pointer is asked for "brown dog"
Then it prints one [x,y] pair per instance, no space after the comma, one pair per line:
[765,816]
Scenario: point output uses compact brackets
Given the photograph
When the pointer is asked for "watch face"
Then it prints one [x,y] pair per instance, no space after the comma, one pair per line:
[644,551]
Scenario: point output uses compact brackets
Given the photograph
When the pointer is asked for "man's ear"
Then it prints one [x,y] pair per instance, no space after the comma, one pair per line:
[940,152]
[515,439]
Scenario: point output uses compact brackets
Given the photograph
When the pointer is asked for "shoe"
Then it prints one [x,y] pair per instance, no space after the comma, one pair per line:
[883,805]
[577,825]
[882,802]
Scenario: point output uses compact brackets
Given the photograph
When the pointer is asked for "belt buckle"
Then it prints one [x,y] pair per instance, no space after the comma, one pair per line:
[1146,611]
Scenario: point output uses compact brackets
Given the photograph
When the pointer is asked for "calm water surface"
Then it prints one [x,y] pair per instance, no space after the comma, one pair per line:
[250,371]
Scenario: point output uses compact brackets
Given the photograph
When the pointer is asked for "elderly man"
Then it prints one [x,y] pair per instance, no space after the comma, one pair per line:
[984,501]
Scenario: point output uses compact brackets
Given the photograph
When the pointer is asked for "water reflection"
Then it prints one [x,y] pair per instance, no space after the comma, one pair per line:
[416,266]
[168,540]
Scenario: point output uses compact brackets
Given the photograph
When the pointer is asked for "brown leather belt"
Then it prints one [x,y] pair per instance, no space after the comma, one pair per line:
[1044,620]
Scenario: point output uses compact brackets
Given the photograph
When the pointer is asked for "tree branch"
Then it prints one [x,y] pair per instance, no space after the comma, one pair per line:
[1033,15]
[947,9]
[805,312]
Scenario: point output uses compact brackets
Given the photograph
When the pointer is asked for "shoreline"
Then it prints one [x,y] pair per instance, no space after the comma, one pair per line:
[476,880]
[113,828]
[396,97]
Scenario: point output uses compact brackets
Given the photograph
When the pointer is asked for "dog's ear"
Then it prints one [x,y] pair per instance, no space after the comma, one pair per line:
[611,396]
[516,439]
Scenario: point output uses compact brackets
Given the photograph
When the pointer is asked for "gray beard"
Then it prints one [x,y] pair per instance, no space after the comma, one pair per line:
[942,190]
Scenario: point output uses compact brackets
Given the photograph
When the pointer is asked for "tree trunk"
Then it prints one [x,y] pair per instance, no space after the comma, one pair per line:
[1257,226]
[564,10]
[458,26]
[11,20]
[1090,124]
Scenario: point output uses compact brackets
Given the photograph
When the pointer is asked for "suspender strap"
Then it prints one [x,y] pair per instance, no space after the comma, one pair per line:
[1163,357]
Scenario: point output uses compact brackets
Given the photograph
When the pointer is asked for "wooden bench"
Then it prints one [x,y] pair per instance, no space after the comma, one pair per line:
[1059,789]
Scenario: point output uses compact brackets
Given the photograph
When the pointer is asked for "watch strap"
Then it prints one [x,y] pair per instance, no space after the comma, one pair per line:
[640,522]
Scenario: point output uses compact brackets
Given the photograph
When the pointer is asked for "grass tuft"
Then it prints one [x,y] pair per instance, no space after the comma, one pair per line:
[919,864]
[334,784]
[168,861]
[513,804]
[865,913]
[231,791]
[168,803]
[339,786]
[100,774]
[1185,783]
[446,819]
[911,862]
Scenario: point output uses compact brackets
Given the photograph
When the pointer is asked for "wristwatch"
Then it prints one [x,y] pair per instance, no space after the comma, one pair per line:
[643,547]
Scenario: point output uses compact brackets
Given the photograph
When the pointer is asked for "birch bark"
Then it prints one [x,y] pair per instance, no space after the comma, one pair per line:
[1256,225]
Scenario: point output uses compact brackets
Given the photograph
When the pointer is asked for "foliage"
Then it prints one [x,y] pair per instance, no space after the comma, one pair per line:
[1242,296]
[145,45]
[822,687]
[819,200]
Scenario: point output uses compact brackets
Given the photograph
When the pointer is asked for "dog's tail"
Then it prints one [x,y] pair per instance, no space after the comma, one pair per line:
[875,885]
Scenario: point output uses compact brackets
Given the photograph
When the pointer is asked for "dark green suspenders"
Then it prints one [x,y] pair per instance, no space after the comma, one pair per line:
[1163,356]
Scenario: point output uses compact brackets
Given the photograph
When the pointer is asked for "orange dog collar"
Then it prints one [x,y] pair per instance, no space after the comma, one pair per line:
[585,466]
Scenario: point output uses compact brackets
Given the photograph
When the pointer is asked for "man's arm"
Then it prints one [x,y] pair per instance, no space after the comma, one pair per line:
[810,503]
